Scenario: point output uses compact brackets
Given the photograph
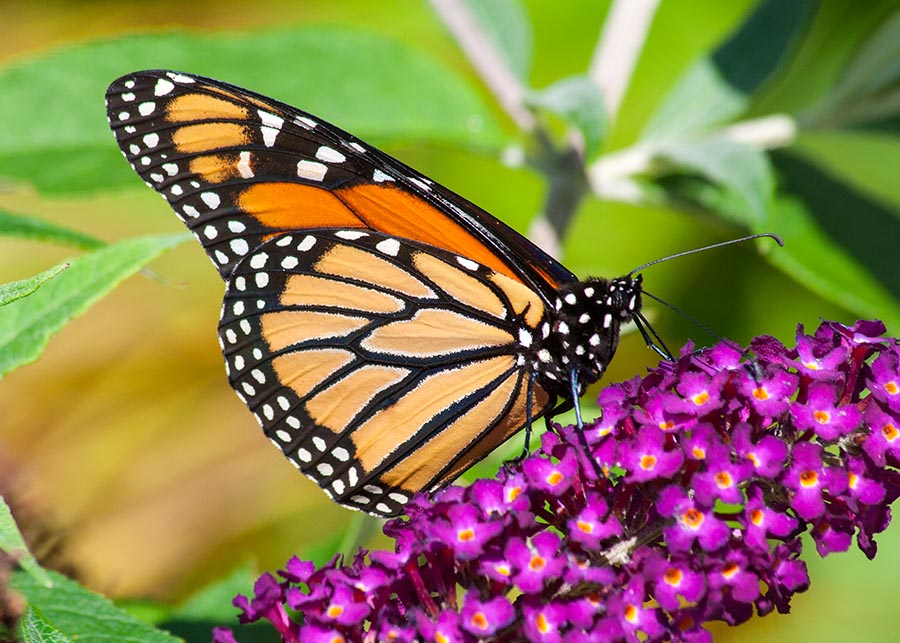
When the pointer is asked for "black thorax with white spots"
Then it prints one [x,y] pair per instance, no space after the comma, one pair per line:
[581,332]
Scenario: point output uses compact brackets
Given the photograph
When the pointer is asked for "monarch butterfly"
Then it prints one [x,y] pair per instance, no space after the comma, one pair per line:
[386,333]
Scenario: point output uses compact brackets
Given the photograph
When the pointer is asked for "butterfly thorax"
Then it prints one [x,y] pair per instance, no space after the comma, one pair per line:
[581,331]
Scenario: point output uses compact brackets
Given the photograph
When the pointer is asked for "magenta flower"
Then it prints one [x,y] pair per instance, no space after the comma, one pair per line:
[715,465]
[822,414]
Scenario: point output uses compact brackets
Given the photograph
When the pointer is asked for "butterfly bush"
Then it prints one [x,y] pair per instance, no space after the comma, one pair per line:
[708,472]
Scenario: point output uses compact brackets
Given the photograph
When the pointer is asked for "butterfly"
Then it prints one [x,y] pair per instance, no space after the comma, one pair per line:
[386,333]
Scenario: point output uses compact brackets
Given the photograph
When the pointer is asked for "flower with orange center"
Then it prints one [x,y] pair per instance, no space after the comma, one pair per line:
[700,398]
[479,621]
[809,478]
[465,535]
[724,480]
[673,576]
[693,519]
[648,461]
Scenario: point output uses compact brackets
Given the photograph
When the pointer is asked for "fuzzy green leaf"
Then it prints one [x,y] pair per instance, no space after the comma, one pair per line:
[81,615]
[17,289]
[26,325]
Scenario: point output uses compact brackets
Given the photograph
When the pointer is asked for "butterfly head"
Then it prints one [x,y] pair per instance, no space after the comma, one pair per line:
[586,321]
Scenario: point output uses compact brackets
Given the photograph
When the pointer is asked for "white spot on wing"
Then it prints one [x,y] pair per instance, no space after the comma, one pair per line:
[151,139]
[311,170]
[163,87]
[243,165]
[308,242]
[211,199]
[350,235]
[329,155]
[468,264]
[389,247]
[304,122]
[269,135]
[145,109]
[179,78]
[240,246]
[380,177]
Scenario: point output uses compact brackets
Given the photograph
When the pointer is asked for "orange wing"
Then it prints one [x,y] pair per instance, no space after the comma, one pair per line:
[238,167]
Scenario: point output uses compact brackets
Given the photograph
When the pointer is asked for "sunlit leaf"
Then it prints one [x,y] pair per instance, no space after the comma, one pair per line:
[81,615]
[579,102]
[34,628]
[17,289]
[735,179]
[26,325]
[718,87]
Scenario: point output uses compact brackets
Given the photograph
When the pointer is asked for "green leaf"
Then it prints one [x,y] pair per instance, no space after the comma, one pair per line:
[12,543]
[12,225]
[869,89]
[82,615]
[579,102]
[17,289]
[27,324]
[817,217]
[373,86]
[508,26]
[718,87]
[34,628]
[736,179]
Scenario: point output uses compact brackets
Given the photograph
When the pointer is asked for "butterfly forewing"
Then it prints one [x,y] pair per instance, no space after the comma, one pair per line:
[378,365]
[237,166]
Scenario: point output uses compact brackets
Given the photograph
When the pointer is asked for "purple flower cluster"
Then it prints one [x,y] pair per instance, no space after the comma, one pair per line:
[714,465]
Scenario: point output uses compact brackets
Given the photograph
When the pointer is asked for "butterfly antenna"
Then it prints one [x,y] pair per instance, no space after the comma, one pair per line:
[688,317]
[770,235]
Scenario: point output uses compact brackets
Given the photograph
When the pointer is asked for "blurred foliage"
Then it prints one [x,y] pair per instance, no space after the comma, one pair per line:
[126,428]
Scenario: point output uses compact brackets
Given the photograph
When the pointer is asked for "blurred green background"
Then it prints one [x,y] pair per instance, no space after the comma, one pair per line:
[126,434]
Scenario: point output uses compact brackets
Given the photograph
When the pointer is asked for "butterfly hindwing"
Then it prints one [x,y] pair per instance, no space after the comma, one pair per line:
[237,167]
[380,366]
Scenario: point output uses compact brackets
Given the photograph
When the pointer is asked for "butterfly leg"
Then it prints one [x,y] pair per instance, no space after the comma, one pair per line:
[579,425]
[526,448]
[652,337]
